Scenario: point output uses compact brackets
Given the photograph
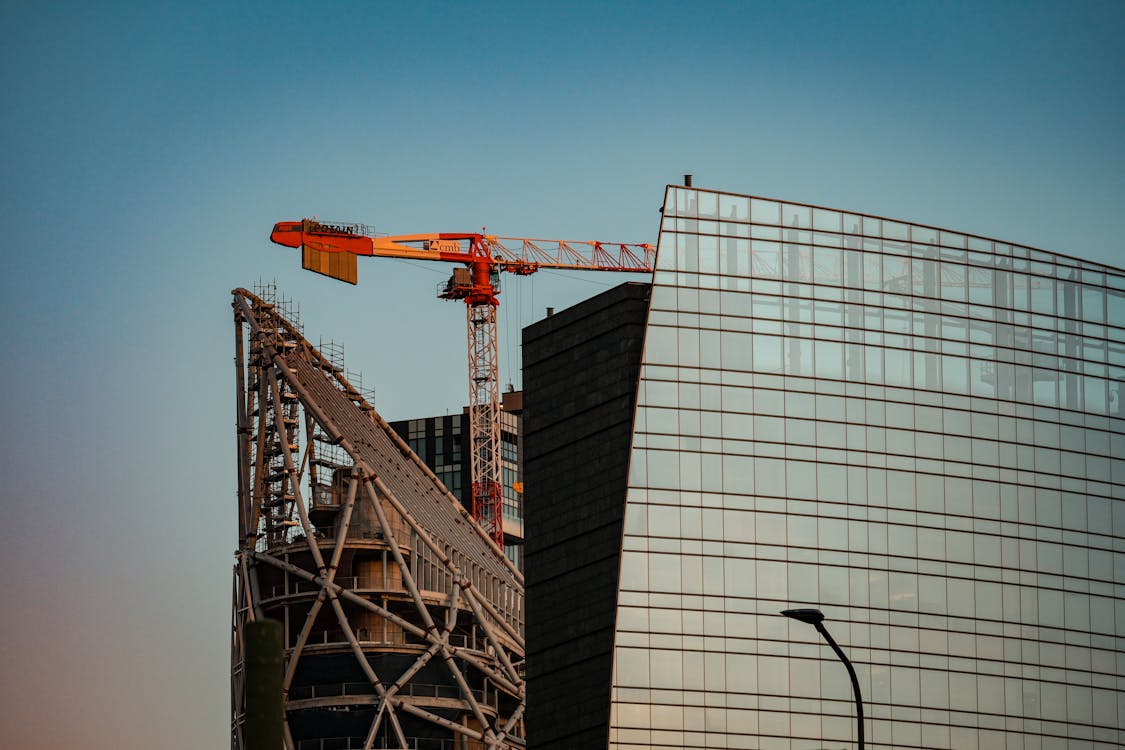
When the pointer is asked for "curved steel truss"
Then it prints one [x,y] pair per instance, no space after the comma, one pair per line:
[403,620]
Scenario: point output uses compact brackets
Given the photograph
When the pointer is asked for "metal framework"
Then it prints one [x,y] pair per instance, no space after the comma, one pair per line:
[484,420]
[403,620]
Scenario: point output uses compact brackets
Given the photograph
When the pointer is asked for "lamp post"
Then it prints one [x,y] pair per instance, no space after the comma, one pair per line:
[815,618]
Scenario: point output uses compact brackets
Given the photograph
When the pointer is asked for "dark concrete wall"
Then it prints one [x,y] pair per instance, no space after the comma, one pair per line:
[580,375]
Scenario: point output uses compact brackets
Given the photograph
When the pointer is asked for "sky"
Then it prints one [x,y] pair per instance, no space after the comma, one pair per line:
[146,150]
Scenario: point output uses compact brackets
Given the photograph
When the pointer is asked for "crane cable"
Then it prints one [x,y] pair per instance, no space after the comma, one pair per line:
[513,349]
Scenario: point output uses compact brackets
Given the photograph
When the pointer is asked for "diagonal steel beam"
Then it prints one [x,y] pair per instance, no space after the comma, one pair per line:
[271,372]
[420,604]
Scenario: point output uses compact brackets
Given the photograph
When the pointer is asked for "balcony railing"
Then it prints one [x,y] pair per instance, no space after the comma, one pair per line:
[409,690]
[355,743]
[393,637]
[370,583]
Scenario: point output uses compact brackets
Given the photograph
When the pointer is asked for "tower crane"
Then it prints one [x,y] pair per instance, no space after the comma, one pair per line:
[332,249]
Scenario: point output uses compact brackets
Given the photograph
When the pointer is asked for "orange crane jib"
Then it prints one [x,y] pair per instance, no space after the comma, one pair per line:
[518,255]
[331,248]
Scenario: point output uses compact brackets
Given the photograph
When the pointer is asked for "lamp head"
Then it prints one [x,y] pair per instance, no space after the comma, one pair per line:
[808,616]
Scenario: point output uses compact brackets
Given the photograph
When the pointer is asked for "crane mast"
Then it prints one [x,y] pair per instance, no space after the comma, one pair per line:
[484,420]
[332,248]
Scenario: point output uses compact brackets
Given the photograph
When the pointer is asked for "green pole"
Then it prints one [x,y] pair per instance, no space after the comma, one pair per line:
[265,715]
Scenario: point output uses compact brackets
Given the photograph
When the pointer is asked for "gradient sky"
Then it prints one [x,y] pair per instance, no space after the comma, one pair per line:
[147,151]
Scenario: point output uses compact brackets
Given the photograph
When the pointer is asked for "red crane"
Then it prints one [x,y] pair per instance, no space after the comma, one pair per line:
[332,249]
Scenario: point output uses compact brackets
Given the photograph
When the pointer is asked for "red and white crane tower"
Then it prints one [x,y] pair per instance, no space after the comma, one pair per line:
[332,249]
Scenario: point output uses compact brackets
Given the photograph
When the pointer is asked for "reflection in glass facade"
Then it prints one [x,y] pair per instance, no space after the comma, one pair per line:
[919,432]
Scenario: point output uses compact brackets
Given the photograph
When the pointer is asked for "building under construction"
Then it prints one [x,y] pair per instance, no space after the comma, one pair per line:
[402,619]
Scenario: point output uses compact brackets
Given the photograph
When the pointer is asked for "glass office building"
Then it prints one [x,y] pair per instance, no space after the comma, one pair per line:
[443,444]
[919,432]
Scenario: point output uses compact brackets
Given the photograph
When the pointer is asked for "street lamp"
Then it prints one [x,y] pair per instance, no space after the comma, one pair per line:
[815,618]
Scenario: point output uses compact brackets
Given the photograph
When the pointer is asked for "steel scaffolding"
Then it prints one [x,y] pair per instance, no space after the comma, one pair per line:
[402,619]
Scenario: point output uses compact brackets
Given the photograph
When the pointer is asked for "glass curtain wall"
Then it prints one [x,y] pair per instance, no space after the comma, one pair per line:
[917,431]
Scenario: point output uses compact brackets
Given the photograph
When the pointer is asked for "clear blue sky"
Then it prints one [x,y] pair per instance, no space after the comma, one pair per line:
[147,151]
